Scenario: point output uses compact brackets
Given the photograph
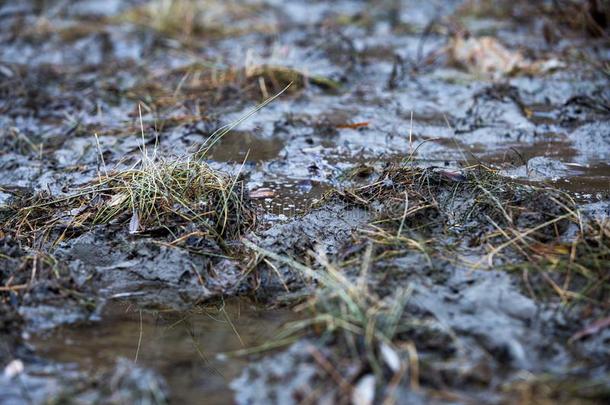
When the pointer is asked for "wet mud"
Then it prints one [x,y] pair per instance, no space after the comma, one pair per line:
[408,221]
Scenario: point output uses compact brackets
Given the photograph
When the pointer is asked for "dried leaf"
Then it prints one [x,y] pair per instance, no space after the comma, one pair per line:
[487,56]
[355,125]
[484,55]
[117,199]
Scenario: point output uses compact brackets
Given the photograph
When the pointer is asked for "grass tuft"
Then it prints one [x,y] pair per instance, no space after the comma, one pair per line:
[346,309]
[152,194]
[449,215]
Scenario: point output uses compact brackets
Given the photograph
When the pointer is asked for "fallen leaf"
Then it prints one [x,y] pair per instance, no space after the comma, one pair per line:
[355,125]
[487,56]
[262,193]
[117,199]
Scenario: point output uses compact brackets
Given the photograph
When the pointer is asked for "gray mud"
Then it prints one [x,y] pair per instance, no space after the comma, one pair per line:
[85,86]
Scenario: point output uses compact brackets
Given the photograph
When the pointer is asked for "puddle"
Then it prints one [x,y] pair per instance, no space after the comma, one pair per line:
[183,348]
[555,161]
[291,196]
[240,146]
[588,180]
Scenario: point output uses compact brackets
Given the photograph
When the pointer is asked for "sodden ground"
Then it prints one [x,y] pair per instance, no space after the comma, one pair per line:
[420,216]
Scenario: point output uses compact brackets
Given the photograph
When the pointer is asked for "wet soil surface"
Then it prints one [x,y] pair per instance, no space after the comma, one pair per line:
[90,87]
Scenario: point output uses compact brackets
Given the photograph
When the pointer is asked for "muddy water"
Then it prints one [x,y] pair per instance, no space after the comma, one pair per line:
[246,147]
[188,349]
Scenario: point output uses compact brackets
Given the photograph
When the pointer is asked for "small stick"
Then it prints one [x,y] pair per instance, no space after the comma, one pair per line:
[13,287]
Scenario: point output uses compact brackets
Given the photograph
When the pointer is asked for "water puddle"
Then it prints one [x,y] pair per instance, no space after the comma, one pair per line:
[588,179]
[554,161]
[181,347]
[291,197]
[239,146]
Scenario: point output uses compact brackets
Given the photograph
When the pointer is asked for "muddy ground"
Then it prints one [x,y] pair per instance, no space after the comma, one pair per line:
[423,210]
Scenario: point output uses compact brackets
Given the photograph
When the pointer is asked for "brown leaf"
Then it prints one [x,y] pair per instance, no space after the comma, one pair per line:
[487,56]
[355,125]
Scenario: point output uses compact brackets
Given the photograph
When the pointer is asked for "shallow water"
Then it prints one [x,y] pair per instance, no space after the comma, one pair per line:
[188,349]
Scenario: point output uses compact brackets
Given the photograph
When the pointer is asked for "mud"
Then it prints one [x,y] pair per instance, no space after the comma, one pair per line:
[87,87]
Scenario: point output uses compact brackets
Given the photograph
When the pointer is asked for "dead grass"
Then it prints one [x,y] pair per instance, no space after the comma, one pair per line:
[152,194]
[546,389]
[450,215]
[347,312]
[201,85]
[576,270]
[588,17]
[191,20]
[444,215]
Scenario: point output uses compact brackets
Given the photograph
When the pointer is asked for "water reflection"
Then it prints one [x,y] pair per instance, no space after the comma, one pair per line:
[181,347]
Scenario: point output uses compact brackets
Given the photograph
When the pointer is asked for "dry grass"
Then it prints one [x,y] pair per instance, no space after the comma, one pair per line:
[191,20]
[476,213]
[546,389]
[575,270]
[588,17]
[348,312]
[152,194]
[201,85]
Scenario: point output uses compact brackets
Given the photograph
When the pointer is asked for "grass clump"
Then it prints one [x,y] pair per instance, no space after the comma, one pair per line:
[346,312]
[570,389]
[475,204]
[187,20]
[206,84]
[575,269]
[158,194]
[476,213]
[154,194]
